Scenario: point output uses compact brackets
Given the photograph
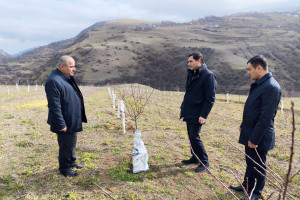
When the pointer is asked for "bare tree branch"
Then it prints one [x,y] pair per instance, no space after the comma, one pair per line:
[135,98]
[215,194]
[244,189]
[295,166]
[295,175]
[270,196]
[104,191]
[279,181]
[212,173]
[192,191]
[291,155]
[251,193]
[279,188]
[271,173]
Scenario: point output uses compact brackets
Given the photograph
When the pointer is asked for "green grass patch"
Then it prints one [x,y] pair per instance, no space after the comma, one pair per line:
[24,143]
[34,104]
[124,173]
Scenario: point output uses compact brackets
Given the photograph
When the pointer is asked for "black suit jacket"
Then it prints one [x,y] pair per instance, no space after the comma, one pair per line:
[200,93]
[65,103]
[259,113]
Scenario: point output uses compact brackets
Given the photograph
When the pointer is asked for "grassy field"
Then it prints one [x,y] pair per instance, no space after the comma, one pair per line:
[28,150]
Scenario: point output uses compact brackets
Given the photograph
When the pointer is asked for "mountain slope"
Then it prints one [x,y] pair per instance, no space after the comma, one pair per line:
[3,54]
[155,53]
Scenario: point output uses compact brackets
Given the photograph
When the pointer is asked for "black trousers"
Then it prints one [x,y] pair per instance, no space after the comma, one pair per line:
[66,155]
[251,174]
[196,143]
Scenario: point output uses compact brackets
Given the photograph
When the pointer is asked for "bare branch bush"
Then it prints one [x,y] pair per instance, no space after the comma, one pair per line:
[135,97]
[276,180]
[283,184]
[210,172]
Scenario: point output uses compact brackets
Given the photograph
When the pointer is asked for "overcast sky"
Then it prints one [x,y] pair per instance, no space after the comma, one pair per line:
[29,23]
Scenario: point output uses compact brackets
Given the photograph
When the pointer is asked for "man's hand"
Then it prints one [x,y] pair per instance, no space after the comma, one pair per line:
[251,145]
[64,129]
[202,120]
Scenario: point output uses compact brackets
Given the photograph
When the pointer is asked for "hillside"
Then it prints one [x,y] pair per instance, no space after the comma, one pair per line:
[155,53]
[28,150]
[3,54]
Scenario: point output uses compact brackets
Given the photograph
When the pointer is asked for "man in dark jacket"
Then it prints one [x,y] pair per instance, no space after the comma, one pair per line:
[66,112]
[198,100]
[257,128]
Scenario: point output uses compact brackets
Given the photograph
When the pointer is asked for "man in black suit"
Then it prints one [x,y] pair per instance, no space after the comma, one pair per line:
[257,128]
[198,100]
[66,112]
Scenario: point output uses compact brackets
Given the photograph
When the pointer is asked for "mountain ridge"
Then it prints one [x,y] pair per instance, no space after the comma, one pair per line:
[155,53]
[3,54]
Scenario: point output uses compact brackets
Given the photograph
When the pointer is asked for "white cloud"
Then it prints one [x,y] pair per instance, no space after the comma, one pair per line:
[25,24]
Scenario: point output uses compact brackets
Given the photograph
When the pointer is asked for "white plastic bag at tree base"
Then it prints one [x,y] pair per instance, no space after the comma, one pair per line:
[140,154]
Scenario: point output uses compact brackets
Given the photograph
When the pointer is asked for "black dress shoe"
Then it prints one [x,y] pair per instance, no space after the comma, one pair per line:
[69,173]
[77,165]
[237,188]
[190,161]
[253,197]
[201,168]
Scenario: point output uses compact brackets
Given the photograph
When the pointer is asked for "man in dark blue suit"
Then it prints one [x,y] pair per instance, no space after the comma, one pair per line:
[198,100]
[257,128]
[66,112]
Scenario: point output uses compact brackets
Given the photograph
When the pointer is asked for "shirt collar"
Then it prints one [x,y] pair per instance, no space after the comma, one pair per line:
[199,69]
[203,67]
[264,78]
[65,77]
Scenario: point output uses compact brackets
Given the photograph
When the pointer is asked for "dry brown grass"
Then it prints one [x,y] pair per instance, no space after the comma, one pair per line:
[28,150]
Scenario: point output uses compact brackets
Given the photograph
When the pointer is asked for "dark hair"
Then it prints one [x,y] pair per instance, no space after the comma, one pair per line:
[197,56]
[258,60]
